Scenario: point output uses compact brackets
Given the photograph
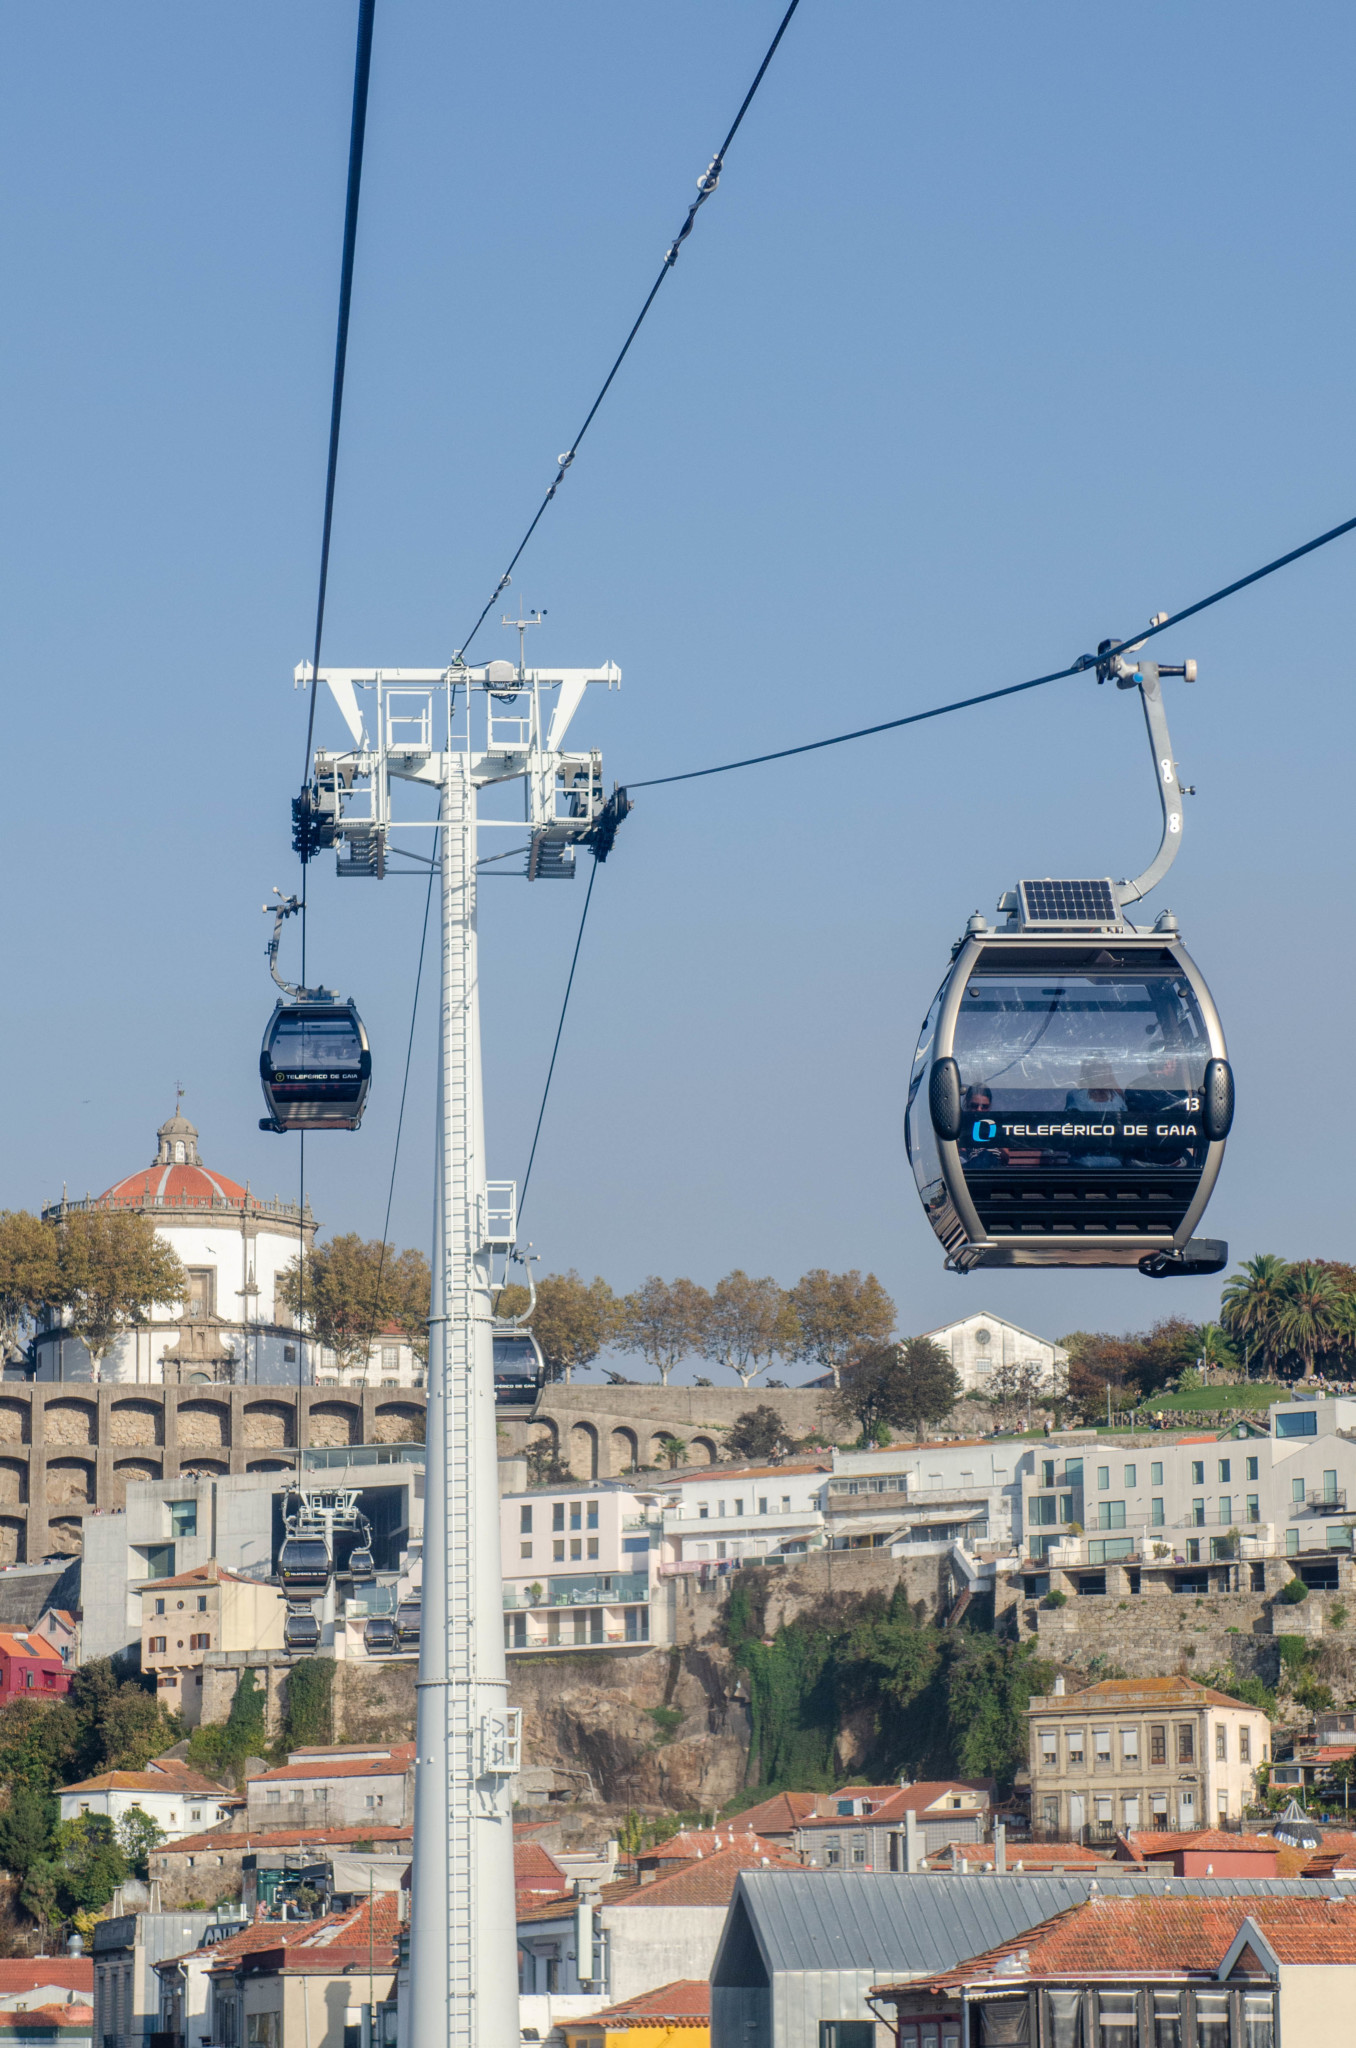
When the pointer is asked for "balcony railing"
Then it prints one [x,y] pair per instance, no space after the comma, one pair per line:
[600,1589]
[1320,1501]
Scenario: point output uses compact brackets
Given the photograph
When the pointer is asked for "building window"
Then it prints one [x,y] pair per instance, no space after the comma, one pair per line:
[1226,1509]
[1193,1551]
[1047,1471]
[1254,1513]
[1130,1746]
[593,1546]
[195,1813]
[1292,1542]
[576,1514]
[762,1504]
[1130,1478]
[183,1516]
[1075,1742]
[1198,1514]
[1103,1478]
[159,1606]
[1253,1470]
[1050,1810]
[859,1851]
[1111,1514]
[524,1550]
[1156,1512]
[591,1517]
[637,1622]
[1156,1474]
[1259,2019]
[558,1550]
[1297,1492]
[202,1603]
[849,2034]
[558,1514]
[525,1521]
[200,1642]
[786,1503]
[1221,1744]
[202,1288]
[1186,1742]
[1212,2019]
[320,1794]
[1245,1745]
[1043,1510]
[1049,1749]
[289,1354]
[1158,1743]
[1066,1507]
[833,1852]
[576,1547]
[272,1796]
[157,1646]
[1101,1747]
[390,1358]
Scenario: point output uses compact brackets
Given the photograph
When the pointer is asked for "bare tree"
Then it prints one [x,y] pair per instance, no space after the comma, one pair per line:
[837,1315]
[746,1325]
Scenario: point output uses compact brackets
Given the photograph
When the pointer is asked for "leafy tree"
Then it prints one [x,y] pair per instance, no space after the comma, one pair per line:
[350,1289]
[1132,1367]
[26,1829]
[29,1274]
[757,1434]
[572,1321]
[137,1834]
[39,1894]
[989,1688]
[746,1325]
[663,1321]
[120,1724]
[868,1390]
[112,1269]
[1250,1305]
[1214,1349]
[39,1742]
[219,1749]
[308,1712]
[91,1862]
[927,1386]
[836,1315]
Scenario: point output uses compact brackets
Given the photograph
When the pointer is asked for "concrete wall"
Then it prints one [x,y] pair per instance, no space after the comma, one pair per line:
[651,1945]
[1316,2003]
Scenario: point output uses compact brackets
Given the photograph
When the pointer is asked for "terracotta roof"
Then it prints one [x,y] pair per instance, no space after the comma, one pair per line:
[708,1882]
[1020,1855]
[532,1907]
[268,1934]
[394,1765]
[536,1871]
[80,2018]
[778,1815]
[686,2003]
[27,1644]
[27,1973]
[201,1575]
[1150,1842]
[176,1186]
[1211,1436]
[1153,1692]
[326,1947]
[690,1843]
[281,1838]
[1116,1938]
[895,1800]
[164,1780]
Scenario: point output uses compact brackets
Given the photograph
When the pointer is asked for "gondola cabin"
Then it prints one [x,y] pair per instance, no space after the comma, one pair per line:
[409,1618]
[304,1563]
[315,1066]
[1071,1092]
[361,1564]
[379,1635]
[301,1630]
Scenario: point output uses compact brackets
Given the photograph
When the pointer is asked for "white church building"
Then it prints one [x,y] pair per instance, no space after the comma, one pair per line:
[233,1324]
[980,1343]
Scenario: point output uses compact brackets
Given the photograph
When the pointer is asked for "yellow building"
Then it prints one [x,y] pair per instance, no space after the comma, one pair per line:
[676,2016]
[201,1610]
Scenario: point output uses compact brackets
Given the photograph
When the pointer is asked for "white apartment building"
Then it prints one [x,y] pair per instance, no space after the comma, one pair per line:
[578,1568]
[727,1514]
[1178,1507]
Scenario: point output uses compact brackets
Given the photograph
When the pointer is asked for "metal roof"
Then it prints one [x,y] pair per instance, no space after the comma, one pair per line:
[915,1925]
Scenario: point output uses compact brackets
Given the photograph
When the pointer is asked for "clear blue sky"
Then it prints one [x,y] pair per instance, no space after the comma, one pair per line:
[1007,328]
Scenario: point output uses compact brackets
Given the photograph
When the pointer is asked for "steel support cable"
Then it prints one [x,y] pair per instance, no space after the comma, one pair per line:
[545,1093]
[1078,667]
[362,67]
[706,185]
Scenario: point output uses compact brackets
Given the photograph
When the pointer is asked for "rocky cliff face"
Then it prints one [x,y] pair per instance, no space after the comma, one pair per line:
[661,1728]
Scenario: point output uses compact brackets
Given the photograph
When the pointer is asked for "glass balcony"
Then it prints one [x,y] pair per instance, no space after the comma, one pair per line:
[594,1589]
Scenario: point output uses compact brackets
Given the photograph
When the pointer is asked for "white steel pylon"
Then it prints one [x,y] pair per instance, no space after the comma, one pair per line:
[458,731]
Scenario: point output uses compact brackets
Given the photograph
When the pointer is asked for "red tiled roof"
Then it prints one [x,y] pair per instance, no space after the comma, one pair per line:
[711,1880]
[394,1765]
[28,1644]
[178,1780]
[326,1947]
[27,1973]
[187,1186]
[1150,1842]
[895,1800]
[693,1842]
[1020,1855]
[686,2003]
[535,1871]
[532,1906]
[282,1838]
[201,1575]
[1116,1938]
[778,1815]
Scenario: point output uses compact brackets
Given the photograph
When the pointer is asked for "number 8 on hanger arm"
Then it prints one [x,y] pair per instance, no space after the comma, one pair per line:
[1071,1093]
[315,1063]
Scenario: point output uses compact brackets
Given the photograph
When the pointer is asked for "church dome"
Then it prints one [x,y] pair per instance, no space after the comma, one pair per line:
[176,1178]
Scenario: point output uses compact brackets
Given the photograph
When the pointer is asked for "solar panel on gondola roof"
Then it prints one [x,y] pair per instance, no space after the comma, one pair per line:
[1066,903]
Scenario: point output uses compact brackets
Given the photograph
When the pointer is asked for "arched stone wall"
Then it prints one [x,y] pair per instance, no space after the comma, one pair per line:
[65,1537]
[70,1483]
[333,1423]
[269,1426]
[15,1422]
[203,1426]
[399,1422]
[701,1450]
[625,1451]
[584,1451]
[136,1422]
[12,1540]
[71,1422]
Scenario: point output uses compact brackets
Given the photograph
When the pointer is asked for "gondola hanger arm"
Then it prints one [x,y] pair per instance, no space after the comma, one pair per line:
[289,906]
[1130,672]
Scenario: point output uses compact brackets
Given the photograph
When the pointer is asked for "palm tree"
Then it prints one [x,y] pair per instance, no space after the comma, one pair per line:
[1311,1315]
[1214,1350]
[1252,1301]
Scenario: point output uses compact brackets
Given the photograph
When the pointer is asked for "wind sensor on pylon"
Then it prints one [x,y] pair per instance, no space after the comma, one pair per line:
[458,731]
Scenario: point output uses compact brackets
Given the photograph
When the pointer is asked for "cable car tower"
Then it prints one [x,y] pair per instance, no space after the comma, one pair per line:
[455,732]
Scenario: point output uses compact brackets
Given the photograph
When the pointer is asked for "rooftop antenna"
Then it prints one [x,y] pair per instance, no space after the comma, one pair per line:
[522,624]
